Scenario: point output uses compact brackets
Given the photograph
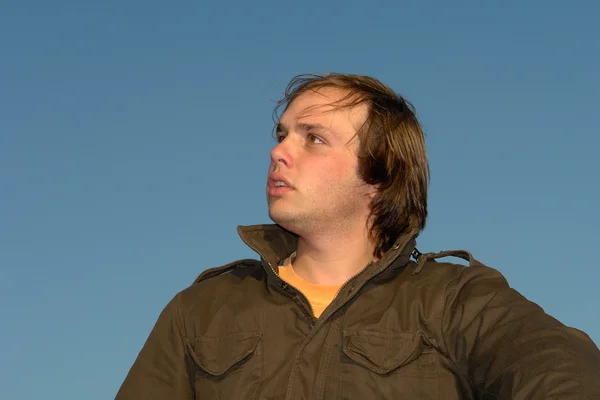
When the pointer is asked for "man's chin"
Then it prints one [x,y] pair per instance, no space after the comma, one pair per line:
[282,218]
[276,216]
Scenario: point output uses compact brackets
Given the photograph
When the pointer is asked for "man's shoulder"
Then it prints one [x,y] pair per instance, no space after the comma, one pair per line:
[239,269]
[225,281]
[442,268]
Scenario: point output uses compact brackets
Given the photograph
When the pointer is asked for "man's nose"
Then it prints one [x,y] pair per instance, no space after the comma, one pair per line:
[280,155]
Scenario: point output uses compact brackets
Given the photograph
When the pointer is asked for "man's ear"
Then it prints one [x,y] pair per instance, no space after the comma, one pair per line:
[372,191]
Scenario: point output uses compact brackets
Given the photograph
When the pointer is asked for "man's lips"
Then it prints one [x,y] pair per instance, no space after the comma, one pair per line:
[277,177]
[276,191]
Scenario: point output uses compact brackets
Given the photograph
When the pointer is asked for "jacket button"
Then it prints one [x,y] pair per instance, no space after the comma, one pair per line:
[284,286]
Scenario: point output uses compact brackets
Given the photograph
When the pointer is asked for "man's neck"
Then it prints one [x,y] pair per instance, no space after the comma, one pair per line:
[332,260]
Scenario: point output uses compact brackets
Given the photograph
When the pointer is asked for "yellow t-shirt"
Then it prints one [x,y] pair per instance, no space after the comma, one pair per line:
[318,296]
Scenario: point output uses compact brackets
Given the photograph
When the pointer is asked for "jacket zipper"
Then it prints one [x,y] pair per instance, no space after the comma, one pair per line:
[395,247]
[312,312]
[351,278]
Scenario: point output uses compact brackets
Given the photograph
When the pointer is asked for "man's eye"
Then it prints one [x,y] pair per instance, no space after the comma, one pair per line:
[279,137]
[315,139]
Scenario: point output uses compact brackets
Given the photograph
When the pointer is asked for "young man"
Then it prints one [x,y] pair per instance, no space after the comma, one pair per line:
[336,308]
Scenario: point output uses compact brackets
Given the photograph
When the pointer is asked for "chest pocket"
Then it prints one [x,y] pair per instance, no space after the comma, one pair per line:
[228,367]
[387,366]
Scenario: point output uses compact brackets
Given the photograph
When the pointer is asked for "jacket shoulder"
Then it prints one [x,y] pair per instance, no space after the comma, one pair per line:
[224,283]
[435,267]
[238,268]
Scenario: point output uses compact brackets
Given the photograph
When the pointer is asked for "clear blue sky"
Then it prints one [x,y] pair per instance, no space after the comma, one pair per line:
[134,138]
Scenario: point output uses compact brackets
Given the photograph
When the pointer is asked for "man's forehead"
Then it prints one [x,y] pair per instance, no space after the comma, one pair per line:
[324,101]
[326,98]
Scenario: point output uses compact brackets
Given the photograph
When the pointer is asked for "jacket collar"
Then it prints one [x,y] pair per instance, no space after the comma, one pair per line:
[270,241]
[273,244]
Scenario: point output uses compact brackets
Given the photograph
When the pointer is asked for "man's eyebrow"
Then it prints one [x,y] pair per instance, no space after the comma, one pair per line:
[305,126]
[313,127]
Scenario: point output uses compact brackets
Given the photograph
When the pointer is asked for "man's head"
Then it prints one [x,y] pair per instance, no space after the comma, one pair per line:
[353,152]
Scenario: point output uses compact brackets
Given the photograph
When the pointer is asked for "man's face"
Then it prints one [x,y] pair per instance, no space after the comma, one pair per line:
[316,160]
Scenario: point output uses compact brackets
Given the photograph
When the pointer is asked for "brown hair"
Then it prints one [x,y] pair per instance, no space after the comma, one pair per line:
[391,151]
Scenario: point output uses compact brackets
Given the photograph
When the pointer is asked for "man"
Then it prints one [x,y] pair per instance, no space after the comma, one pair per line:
[336,308]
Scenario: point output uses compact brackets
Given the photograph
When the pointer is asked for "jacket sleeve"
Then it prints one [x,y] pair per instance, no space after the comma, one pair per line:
[509,348]
[162,369]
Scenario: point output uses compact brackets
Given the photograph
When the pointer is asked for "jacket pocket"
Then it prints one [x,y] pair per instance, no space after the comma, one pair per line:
[228,366]
[387,365]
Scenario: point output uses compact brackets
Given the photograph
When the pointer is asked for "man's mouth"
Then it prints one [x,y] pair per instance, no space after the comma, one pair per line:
[278,180]
[278,185]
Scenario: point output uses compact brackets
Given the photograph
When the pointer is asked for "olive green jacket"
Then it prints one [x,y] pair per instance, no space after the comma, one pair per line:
[401,329]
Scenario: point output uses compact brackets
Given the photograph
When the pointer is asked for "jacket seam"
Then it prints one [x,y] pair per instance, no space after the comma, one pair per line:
[452,360]
[184,343]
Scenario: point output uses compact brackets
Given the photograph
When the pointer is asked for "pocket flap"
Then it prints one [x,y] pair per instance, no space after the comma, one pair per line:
[217,355]
[381,352]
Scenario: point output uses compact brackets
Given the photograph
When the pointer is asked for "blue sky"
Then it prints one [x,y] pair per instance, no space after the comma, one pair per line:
[134,138]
